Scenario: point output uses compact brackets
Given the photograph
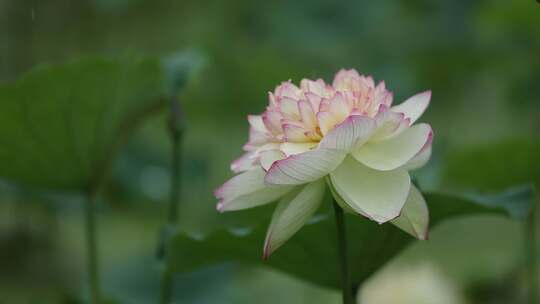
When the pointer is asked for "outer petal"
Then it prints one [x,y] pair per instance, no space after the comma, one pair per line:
[378,195]
[414,218]
[244,163]
[349,134]
[256,122]
[415,106]
[389,124]
[396,151]
[272,121]
[267,158]
[290,148]
[247,190]
[292,212]
[420,159]
[304,167]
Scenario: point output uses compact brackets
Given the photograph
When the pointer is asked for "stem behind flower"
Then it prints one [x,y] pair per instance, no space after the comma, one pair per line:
[343,256]
[175,133]
[91,248]
[531,249]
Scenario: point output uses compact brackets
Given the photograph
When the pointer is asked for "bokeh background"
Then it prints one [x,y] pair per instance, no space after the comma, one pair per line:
[480,58]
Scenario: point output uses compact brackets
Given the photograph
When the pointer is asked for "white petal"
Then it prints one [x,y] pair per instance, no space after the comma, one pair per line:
[378,195]
[257,123]
[414,217]
[247,190]
[304,167]
[295,133]
[339,107]
[394,152]
[289,108]
[415,106]
[267,158]
[389,124]
[349,134]
[307,114]
[292,212]
[327,121]
[244,163]
[296,148]
[419,160]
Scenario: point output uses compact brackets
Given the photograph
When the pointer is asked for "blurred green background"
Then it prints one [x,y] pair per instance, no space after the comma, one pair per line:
[480,59]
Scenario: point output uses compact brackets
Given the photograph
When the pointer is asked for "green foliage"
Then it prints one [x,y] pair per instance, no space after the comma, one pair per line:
[60,125]
[494,166]
[312,253]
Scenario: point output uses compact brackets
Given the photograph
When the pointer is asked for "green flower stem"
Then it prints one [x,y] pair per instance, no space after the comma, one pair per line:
[531,250]
[175,133]
[91,248]
[343,256]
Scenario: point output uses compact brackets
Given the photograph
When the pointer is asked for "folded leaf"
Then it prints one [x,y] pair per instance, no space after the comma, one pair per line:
[311,254]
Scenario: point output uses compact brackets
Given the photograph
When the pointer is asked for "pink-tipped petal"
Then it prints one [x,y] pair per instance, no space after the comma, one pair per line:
[339,107]
[304,167]
[294,133]
[307,115]
[415,106]
[327,121]
[267,158]
[256,122]
[247,190]
[388,124]
[394,152]
[272,122]
[420,159]
[292,212]
[349,134]
[414,217]
[244,163]
[289,108]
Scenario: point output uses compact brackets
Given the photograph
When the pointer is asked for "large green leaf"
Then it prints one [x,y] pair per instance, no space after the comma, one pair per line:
[61,124]
[312,253]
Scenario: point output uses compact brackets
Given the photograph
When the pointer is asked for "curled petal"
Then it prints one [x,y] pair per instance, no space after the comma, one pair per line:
[378,195]
[414,217]
[389,124]
[292,212]
[267,158]
[247,190]
[304,167]
[394,152]
[421,158]
[349,134]
[244,163]
[415,106]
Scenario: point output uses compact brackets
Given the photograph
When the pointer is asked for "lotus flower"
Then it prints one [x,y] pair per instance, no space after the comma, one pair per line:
[346,135]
